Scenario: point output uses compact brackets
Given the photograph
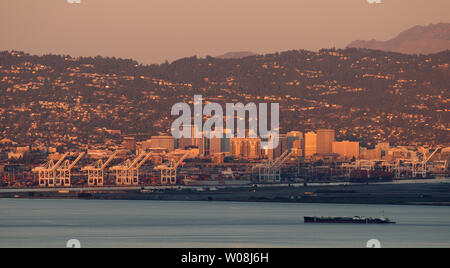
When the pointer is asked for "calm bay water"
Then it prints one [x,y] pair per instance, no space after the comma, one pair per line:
[51,223]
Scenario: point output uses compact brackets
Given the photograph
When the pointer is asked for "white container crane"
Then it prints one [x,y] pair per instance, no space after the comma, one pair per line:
[64,177]
[125,172]
[270,171]
[47,172]
[96,173]
[169,170]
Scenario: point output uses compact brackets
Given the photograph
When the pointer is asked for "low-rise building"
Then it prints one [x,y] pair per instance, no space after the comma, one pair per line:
[160,142]
[246,148]
[370,154]
[347,150]
[129,143]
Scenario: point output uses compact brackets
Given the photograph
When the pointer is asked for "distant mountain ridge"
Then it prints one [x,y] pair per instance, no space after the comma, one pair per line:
[236,55]
[429,39]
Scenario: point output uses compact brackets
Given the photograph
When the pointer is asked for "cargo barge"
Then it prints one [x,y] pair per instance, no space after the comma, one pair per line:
[349,220]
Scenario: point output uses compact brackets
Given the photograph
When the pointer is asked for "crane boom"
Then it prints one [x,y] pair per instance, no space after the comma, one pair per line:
[181,159]
[59,162]
[280,161]
[144,160]
[431,156]
[281,158]
[169,170]
[134,163]
[76,161]
[109,160]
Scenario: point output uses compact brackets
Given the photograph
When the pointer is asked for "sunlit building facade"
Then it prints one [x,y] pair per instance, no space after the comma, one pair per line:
[310,144]
[325,139]
[246,148]
[347,150]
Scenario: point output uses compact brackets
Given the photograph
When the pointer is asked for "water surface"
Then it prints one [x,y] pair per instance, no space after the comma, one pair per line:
[51,223]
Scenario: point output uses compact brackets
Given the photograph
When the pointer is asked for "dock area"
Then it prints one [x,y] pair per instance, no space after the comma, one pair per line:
[436,192]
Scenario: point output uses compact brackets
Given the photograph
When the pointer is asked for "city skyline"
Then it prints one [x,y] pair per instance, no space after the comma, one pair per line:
[199,124]
[296,151]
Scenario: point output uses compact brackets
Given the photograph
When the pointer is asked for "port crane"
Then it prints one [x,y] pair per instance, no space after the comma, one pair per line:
[423,165]
[134,170]
[415,168]
[169,170]
[367,165]
[125,174]
[270,171]
[64,177]
[47,172]
[96,173]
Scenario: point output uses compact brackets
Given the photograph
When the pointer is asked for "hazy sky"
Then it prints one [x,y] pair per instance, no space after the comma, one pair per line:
[152,31]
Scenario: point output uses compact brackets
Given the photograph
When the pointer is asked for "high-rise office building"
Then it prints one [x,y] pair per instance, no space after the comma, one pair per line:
[226,141]
[215,146]
[310,144]
[192,141]
[294,136]
[295,142]
[283,146]
[325,139]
